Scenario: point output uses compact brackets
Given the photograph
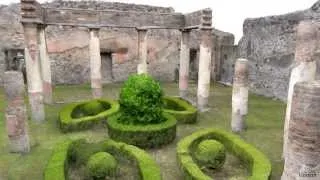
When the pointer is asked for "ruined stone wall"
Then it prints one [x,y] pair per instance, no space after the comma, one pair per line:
[69,51]
[269,45]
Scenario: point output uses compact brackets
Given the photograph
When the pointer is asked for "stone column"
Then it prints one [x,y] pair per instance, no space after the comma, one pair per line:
[45,66]
[303,148]
[204,69]
[184,64]
[16,112]
[240,95]
[305,66]
[95,63]
[33,71]
[142,51]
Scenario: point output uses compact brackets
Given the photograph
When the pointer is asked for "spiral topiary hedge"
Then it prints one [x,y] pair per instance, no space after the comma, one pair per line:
[79,151]
[83,115]
[146,136]
[182,110]
[256,162]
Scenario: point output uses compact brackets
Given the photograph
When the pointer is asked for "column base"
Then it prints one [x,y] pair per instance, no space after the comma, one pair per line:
[19,144]
[47,92]
[202,104]
[37,106]
[183,94]
[238,122]
[96,93]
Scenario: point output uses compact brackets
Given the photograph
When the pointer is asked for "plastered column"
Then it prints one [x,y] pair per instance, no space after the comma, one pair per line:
[45,66]
[142,51]
[303,148]
[304,69]
[95,63]
[204,69]
[184,64]
[16,112]
[240,95]
[35,90]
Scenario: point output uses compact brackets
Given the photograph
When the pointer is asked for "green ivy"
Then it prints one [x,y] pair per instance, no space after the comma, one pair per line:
[141,101]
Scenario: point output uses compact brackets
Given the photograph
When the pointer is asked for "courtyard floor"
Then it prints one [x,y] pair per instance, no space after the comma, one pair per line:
[264,122]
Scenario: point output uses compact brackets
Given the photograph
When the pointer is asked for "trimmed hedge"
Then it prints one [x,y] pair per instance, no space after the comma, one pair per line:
[146,136]
[210,153]
[257,163]
[102,164]
[57,168]
[182,110]
[66,152]
[75,116]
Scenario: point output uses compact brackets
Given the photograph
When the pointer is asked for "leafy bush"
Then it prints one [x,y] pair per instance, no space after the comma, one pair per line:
[141,101]
[211,154]
[102,164]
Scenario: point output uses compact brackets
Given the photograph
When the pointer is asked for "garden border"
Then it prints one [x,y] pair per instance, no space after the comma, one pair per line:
[57,166]
[257,163]
[188,116]
[145,136]
[67,123]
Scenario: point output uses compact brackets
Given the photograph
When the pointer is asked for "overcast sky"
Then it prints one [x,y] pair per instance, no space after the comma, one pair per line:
[228,15]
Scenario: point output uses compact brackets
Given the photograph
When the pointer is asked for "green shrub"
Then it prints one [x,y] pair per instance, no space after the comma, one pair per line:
[141,101]
[67,153]
[182,110]
[211,154]
[257,163]
[93,108]
[74,116]
[146,136]
[102,164]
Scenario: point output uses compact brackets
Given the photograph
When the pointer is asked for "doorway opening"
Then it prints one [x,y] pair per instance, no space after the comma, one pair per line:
[106,67]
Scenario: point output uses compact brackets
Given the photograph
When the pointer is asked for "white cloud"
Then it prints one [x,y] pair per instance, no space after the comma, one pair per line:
[228,15]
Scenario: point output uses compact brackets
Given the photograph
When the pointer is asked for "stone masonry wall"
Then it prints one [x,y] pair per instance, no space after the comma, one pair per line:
[269,45]
[68,46]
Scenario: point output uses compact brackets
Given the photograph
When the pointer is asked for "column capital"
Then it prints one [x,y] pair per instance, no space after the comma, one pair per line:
[142,29]
[94,28]
[184,30]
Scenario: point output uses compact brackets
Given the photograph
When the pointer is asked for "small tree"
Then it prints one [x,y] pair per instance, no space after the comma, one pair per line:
[141,101]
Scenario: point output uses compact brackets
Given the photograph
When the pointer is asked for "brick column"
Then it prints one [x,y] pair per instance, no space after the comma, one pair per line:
[45,66]
[95,63]
[184,64]
[142,51]
[303,148]
[16,112]
[204,69]
[305,66]
[35,90]
[240,95]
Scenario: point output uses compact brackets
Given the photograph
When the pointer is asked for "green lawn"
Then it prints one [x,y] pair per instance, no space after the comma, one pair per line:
[264,121]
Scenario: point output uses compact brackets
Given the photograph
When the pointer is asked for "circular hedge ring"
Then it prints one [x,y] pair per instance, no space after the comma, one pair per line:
[182,110]
[83,115]
[146,136]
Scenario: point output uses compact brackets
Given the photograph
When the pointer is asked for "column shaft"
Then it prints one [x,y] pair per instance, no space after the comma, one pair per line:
[16,112]
[45,67]
[35,89]
[302,160]
[95,63]
[240,95]
[142,51]
[204,69]
[305,69]
[184,64]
